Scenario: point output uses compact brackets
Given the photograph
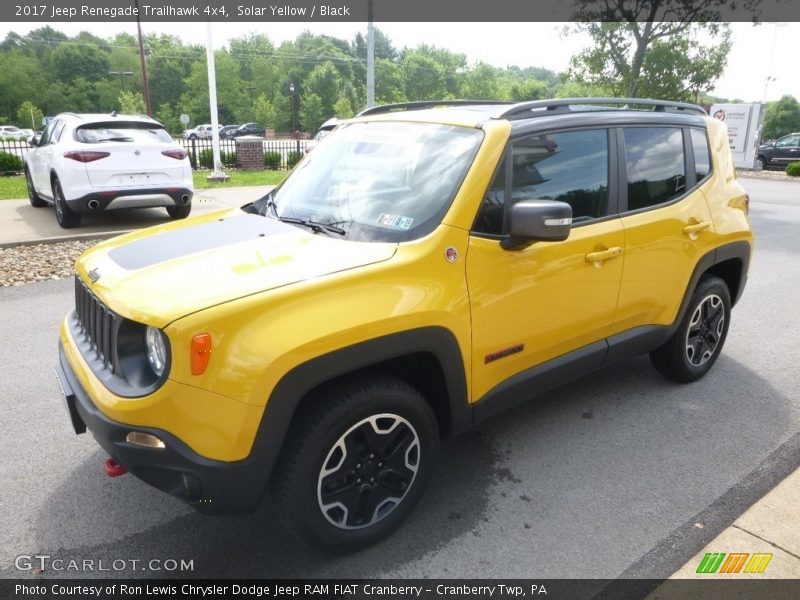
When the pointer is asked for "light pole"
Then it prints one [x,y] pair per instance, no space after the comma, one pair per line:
[294,127]
[122,75]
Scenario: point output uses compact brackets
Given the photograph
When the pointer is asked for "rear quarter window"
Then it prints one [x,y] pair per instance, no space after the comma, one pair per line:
[655,165]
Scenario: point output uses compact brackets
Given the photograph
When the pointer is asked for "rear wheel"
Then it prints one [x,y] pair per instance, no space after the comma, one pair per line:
[179,211]
[33,197]
[356,463]
[696,344]
[761,163]
[65,216]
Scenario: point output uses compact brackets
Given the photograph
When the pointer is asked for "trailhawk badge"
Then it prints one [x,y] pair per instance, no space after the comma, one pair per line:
[94,275]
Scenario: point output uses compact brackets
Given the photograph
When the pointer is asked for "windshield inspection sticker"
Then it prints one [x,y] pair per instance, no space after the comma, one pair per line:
[395,221]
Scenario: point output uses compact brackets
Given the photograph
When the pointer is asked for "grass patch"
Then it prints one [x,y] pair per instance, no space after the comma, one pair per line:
[13,188]
[239,178]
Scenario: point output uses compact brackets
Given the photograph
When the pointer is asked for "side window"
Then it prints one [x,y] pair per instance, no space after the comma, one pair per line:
[569,167]
[57,131]
[790,140]
[48,131]
[655,165]
[702,156]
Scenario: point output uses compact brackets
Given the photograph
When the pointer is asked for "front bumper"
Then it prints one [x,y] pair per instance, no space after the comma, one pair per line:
[210,486]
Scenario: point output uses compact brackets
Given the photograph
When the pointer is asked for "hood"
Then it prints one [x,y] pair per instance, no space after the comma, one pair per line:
[159,275]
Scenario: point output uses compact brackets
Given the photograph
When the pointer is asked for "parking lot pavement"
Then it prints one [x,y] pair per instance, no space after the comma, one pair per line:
[20,223]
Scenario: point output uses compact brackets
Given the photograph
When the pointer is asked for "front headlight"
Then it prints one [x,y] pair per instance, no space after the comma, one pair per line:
[156,350]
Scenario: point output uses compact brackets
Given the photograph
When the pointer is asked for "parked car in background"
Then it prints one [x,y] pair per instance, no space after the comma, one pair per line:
[249,129]
[9,132]
[226,132]
[781,152]
[201,132]
[323,132]
[92,163]
[26,133]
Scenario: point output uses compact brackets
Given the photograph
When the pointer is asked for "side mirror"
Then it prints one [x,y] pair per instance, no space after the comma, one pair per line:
[537,221]
[33,140]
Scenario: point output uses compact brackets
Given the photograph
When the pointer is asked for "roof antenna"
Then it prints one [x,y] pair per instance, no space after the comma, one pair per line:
[113,113]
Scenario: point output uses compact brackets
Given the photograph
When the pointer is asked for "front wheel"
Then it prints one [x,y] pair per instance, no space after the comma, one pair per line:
[357,462]
[33,197]
[761,163]
[697,343]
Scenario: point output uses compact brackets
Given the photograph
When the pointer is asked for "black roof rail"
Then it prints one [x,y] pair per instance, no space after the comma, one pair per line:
[563,105]
[423,104]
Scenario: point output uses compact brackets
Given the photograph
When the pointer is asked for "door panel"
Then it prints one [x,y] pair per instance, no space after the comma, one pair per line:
[548,298]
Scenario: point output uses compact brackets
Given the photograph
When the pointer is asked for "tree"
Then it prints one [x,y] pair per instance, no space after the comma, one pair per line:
[343,109]
[264,112]
[311,115]
[782,117]
[29,113]
[72,62]
[325,82]
[625,30]
[167,116]
[481,83]
[131,103]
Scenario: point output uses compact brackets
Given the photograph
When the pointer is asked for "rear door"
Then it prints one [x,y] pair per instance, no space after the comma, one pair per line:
[667,222]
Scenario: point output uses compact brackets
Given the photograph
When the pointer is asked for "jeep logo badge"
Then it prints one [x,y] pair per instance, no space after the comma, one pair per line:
[94,275]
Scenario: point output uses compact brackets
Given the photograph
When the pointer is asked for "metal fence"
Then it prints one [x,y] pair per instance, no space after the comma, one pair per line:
[278,154]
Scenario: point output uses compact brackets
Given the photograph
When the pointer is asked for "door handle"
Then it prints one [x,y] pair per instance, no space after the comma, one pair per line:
[695,228]
[597,258]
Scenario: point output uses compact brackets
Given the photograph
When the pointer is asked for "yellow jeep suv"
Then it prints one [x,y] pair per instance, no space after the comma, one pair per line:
[427,265]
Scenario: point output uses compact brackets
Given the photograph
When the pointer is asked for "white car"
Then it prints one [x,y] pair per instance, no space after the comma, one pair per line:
[201,132]
[9,132]
[91,163]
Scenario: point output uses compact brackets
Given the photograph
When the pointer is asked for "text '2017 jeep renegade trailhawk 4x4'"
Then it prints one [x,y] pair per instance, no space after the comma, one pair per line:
[423,268]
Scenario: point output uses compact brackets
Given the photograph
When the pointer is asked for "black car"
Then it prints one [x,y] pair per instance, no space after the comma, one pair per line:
[227,131]
[249,129]
[781,152]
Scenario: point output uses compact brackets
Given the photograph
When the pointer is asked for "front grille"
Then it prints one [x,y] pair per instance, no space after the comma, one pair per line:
[99,324]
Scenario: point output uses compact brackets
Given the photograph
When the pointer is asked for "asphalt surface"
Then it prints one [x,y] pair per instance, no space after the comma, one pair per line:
[603,477]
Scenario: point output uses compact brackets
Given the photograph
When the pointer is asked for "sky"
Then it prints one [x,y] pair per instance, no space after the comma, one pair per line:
[751,61]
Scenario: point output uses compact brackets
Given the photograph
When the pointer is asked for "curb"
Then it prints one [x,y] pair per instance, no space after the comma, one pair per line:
[100,235]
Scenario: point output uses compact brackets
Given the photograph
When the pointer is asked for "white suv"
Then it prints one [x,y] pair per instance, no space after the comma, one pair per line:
[201,132]
[12,133]
[90,163]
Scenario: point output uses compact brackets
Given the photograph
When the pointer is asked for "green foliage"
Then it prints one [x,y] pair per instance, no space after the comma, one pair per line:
[10,164]
[651,59]
[782,118]
[131,103]
[167,117]
[263,112]
[206,158]
[293,158]
[324,82]
[343,109]
[793,169]
[29,115]
[311,113]
[272,160]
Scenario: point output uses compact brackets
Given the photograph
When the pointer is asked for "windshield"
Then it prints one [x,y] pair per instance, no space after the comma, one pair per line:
[378,181]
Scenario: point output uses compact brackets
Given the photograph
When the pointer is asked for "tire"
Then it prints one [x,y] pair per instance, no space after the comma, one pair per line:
[356,463]
[33,197]
[179,211]
[193,137]
[761,163]
[697,343]
[65,216]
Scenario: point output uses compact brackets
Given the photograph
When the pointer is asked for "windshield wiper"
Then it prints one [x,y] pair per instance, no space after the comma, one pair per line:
[314,226]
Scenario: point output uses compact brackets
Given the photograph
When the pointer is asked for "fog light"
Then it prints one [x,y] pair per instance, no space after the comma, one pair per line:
[144,439]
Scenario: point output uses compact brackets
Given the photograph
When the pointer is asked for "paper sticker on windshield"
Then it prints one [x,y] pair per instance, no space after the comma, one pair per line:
[396,221]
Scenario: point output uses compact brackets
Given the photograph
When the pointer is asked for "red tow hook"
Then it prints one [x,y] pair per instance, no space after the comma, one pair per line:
[113,468]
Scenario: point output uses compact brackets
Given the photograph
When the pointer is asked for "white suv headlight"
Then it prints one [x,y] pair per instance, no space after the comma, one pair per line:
[156,350]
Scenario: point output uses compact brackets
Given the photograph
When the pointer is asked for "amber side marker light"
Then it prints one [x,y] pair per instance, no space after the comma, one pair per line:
[201,353]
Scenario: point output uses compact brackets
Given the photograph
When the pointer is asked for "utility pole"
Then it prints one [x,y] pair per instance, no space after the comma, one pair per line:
[145,85]
[218,175]
[370,56]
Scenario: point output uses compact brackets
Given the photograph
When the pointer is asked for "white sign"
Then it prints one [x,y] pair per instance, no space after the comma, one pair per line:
[742,122]
[184,119]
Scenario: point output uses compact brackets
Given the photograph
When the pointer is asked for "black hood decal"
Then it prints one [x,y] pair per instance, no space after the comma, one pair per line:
[170,245]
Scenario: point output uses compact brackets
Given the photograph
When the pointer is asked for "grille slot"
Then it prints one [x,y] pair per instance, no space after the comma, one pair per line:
[99,324]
